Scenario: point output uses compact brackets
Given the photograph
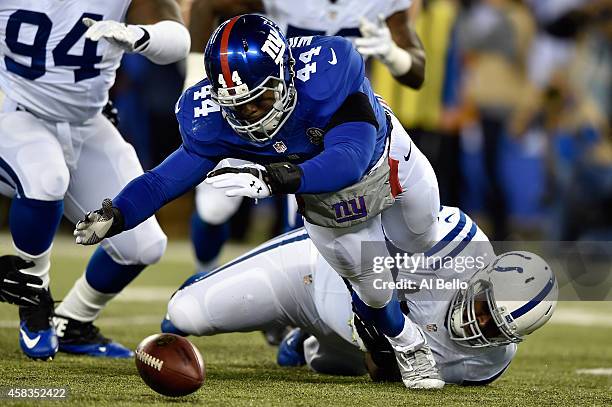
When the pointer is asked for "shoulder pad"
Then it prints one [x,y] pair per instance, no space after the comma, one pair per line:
[327,70]
[199,118]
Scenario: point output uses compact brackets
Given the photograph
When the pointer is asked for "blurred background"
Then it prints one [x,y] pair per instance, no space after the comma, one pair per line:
[514,116]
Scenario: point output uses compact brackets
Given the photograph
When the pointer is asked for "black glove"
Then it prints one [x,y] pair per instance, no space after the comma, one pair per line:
[111,113]
[16,287]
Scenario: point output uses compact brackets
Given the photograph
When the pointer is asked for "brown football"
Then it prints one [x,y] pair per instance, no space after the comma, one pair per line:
[170,364]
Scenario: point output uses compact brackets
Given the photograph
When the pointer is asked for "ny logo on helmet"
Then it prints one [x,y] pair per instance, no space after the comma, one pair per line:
[274,46]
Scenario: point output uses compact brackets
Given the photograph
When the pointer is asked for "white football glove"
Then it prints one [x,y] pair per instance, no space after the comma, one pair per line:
[245,180]
[376,38]
[99,224]
[377,42]
[118,34]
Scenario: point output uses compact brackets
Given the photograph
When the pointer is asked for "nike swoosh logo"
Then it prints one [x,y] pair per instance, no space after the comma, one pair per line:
[29,343]
[333,61]
[102,349]
[447,219]
[407,157]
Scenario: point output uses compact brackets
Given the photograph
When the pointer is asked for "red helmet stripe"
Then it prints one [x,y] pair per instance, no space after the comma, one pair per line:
[224,64]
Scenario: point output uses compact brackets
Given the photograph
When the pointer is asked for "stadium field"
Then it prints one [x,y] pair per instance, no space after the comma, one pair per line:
[568,362]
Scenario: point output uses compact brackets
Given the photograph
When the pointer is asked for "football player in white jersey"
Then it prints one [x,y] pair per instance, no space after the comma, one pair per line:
[60,155]
[472,306]
[380,29]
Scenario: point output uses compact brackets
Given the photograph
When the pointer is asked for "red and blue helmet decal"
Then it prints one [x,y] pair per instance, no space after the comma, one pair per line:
[246,49]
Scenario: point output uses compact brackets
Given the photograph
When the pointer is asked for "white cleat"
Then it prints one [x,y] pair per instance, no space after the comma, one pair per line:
[418,368]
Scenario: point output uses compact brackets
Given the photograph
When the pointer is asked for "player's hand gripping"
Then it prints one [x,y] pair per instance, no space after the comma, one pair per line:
[130,38]
[17,287]
[97,225]
[249,180]
[257,181]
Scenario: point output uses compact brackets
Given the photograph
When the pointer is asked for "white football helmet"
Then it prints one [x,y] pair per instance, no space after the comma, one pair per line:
[513,296]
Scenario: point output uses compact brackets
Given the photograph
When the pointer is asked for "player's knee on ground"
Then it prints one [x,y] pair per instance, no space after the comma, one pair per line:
[237,299]
[144,244]
[184,315]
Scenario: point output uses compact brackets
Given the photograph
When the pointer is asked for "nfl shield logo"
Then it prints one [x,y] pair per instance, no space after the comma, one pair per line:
[280,147]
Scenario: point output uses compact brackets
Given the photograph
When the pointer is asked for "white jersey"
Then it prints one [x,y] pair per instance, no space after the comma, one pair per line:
[428,306]
[323,17]
[47,66]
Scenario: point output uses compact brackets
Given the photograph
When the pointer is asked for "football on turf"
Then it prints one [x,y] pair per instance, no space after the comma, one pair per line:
[170,364]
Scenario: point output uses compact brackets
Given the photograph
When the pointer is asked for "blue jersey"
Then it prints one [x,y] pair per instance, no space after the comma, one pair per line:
[327,71]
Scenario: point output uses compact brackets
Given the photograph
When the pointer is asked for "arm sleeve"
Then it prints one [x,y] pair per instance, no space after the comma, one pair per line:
[144,195]
[345,158]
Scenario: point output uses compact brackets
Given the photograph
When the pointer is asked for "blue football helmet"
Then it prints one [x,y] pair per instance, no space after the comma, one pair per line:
[245,57]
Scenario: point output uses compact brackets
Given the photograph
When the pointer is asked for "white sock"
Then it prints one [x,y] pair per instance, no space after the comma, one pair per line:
[42,264]
[83,302]
[409,339]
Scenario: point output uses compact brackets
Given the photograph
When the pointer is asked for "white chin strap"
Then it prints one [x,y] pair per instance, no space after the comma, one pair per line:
[273,124]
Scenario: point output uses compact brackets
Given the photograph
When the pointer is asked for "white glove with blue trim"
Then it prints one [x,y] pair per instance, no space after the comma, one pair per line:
[130,38]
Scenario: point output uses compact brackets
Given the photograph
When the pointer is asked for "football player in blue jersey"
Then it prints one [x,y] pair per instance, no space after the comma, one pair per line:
[305,117]
[380,29]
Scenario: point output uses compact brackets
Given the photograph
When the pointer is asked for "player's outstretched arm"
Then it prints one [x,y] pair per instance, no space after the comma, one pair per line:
[144,196]
[155,29]
[397,45]
[17,287]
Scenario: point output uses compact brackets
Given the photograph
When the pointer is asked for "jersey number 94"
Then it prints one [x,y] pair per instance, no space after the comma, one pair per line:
[36,50]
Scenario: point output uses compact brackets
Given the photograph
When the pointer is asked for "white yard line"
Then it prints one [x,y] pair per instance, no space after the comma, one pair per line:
[600,371]
[146,294]
[580,317]
[178,250]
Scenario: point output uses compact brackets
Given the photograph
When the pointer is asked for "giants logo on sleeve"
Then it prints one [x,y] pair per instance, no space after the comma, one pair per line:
[274,46]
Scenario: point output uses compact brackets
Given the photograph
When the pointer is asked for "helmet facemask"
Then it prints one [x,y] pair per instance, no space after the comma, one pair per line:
[266,127]
[477,300]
